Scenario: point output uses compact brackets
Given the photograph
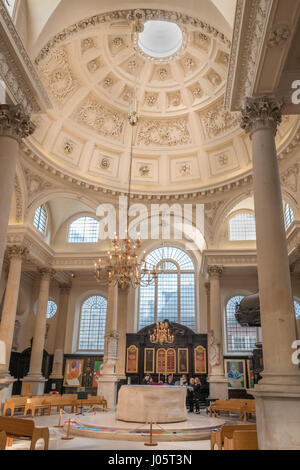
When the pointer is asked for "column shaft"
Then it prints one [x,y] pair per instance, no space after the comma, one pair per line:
[57,372]
[7,325]
[122,328]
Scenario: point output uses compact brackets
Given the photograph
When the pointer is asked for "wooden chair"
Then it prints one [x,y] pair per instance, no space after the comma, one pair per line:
[24,429]
[14,403]
[242,440]
[3,439]
[218,437]
[37,403]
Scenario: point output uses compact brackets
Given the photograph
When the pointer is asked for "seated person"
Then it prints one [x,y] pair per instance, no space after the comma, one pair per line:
[170,380]
[147,379]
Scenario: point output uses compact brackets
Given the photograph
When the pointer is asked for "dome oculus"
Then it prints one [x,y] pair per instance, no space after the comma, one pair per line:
[160,39]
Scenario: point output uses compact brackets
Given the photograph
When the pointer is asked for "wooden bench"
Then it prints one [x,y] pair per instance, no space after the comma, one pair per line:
[24,429]
[233,405]
[3,439]
[14,403]
[37,403]
[242,440]
[218,437]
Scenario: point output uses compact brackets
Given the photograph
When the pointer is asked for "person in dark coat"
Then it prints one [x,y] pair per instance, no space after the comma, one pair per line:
[190,395]
[197,394]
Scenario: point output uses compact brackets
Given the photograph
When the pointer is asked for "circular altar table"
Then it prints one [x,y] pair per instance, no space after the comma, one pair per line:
[156,403]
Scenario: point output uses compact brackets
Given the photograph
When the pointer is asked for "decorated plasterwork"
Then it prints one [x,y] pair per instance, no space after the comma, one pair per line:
[289,178]
[58,76]
[100,118]
[164,132]
[218,120]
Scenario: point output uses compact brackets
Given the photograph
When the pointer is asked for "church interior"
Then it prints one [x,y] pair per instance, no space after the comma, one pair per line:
[149,225]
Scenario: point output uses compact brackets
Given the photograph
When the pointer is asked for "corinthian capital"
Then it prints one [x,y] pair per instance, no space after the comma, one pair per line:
[215,271]
[17,251]
[261,111]
[47,273]
[14,122]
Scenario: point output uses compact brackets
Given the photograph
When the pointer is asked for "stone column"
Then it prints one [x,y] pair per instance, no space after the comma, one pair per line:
[60,334]
[218,387]
[278,393]
[14,125]
[15,254]
[122,329]
[107,386]
[207,290]
[34,377]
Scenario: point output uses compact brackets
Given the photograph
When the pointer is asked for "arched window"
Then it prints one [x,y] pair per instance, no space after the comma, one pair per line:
[242,227]
[84,230]
[10,5]
[297,308]
[40,219]
[92,324]
[239,338]
[172,295]
[288,216]
[51,309]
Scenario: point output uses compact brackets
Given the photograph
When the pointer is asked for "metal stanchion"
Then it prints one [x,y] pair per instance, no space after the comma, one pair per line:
[68,437]
[151,443]
[59,425]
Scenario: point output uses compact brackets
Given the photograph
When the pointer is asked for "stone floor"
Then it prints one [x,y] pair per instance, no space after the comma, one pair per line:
[86,443]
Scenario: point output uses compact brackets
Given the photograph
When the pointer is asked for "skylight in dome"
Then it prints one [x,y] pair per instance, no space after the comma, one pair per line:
[160,39]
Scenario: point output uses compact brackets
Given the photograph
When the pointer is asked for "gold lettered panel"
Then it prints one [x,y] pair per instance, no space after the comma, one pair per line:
[149,358]
[183,361]
[200,360]
[161,361]
[132,358]
[171,361]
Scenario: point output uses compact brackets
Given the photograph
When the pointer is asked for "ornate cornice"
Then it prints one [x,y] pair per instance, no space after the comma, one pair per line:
[16,69]
[249,31]
[260,112]
[14,122]
[129,15]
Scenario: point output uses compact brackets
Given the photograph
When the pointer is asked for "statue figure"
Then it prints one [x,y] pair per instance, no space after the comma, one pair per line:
[213,349]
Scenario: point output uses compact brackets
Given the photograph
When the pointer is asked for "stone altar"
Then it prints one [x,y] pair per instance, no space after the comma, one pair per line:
[156,403]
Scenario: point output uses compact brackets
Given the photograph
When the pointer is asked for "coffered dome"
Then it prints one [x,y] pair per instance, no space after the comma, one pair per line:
[185,139]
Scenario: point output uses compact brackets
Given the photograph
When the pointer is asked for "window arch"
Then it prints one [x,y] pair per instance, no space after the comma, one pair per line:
[242,227]
[238,338]
[10,5]
[297,308]
[288,216]
[51,309]
[92,324]
[40,219]
[172,295]
[84,230]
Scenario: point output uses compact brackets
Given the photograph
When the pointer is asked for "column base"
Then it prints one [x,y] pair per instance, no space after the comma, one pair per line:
[218,387]
[277,416]
[107,387]
[37,383]
[6,385]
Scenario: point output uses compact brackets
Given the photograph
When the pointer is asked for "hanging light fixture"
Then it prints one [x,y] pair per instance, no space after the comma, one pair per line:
[123,266]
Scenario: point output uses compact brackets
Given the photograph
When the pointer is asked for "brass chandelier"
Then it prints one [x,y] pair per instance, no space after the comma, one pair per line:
[124,267]
[161,334]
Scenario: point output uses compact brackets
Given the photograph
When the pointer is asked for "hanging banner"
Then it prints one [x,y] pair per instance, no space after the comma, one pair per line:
[161,361]
[149,360]
[183,361]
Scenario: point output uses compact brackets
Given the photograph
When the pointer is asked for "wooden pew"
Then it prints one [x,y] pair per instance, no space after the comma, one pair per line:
[3,439]
[218,437]
[24,429]
[233,405]
[34,404]
[249,409]
[242,440]
[14,403]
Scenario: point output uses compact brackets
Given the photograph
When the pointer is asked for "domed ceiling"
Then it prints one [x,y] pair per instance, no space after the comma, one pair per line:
[185,139]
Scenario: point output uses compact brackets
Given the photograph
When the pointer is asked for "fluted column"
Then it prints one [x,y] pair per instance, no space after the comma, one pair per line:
[34,376]
[57,371]
[14,125]
[278,393]
[218,387]
[7,325]
[108,383]
[122,329]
